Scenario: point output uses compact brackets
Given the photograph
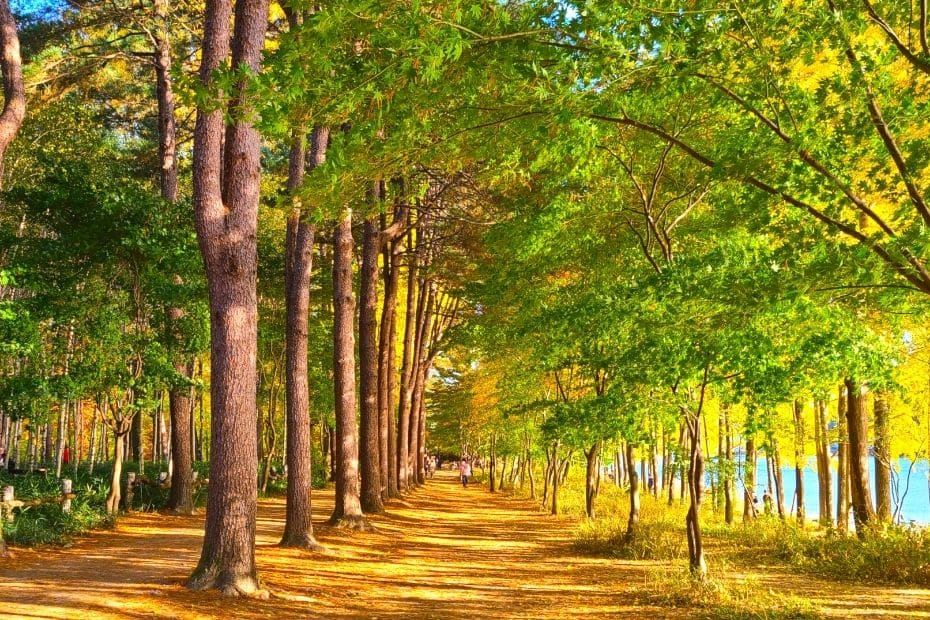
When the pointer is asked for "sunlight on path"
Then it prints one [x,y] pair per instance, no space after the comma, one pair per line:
[443,552]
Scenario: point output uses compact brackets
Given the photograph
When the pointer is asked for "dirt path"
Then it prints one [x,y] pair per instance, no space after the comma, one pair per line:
[445,552]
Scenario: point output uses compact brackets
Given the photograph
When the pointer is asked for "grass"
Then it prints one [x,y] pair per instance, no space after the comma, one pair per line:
[657,536]
[892,554]
[741,599]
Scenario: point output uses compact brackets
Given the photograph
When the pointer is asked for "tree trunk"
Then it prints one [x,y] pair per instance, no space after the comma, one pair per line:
[728,470]
[882,460]
[424,310]
[547,478]
[653,471]
[779,486]
[386,371]
[92,451]
[591,477]
[842,474]
[226,192]
[530,476]
[633,518]
[348,509]
[696,564]
[823,465]
[62,434]
[857,426]
[492,452]
[181,496]
[14,93]
[749,481]
[555,479]
[181,499]
[370,453]
[421,428]
[298,265]
[406,374]
[799,459]
[114,496]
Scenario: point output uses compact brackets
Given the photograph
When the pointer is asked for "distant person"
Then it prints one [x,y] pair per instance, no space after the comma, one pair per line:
[464,471]
[66,456]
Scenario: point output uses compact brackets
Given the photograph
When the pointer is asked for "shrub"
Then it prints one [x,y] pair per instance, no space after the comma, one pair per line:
[46,524]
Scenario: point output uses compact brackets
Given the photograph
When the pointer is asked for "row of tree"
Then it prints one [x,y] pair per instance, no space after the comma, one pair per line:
[635,210]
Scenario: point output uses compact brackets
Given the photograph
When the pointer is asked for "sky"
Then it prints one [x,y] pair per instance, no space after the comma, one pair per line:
[37,8]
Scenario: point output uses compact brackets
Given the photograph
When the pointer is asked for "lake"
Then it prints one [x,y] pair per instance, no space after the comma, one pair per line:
[914,499]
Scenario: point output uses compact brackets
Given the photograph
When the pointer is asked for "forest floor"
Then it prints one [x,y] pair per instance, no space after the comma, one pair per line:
[443,552]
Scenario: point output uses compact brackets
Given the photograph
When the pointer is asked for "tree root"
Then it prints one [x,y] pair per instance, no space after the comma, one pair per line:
[302,541]
[351,522]
[230,585]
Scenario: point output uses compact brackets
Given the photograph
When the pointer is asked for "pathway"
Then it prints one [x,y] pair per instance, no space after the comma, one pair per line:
[445,552]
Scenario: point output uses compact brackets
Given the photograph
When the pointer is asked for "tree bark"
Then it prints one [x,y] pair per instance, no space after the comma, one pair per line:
[591,477]
[863,513]
[696,563]
[120,429]
[368,367]
[842,474]
[406,372]
[181,499]
[799,458]
[555,479]
[414,422]
[749,481]
[633,518]
[226,192]
[386,371]
[777,474]
[882,460]
[14,92]
[492,459]
[348,509]
[421,365]
[728,470]
[298,265]
[823,464]
[181,496]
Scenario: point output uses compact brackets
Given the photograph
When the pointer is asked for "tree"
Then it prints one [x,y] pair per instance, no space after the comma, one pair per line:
[348,508]
[298,526]
[226,187]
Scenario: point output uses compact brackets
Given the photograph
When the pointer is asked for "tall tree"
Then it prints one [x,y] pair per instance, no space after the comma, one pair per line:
[298,525]
[882,459]
[14,102]
[857,427]
[348,508]
[226,190]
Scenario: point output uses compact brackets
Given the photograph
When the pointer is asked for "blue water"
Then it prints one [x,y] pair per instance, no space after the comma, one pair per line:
[914,500]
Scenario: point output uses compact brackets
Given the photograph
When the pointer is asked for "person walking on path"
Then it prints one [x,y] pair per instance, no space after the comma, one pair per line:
[464,471]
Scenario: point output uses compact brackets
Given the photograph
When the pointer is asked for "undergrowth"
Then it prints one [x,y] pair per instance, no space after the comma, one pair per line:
[47,524]
[740,599]
[891,554]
